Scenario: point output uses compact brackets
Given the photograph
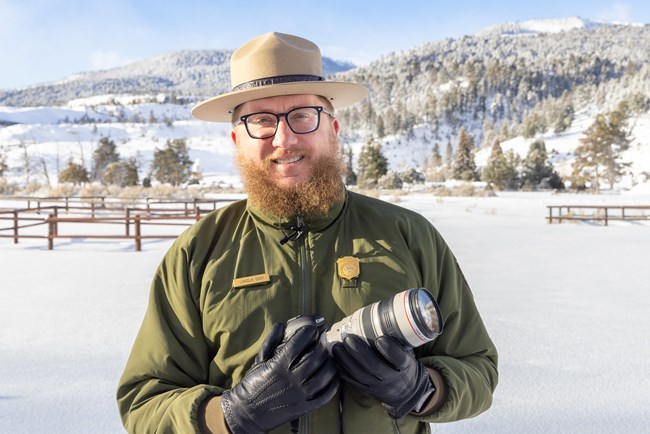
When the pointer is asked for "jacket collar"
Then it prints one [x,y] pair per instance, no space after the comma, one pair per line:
[314,225]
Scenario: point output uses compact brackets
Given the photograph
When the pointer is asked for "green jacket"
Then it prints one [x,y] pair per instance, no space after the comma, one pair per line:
[202,329]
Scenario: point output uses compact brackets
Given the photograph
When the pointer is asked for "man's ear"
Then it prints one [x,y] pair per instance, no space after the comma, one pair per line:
[233,136]
[335,124]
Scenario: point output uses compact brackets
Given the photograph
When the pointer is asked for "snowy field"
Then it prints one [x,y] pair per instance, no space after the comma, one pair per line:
[567,306]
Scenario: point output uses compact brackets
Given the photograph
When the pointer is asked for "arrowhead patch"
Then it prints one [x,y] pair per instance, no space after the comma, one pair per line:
[348,267]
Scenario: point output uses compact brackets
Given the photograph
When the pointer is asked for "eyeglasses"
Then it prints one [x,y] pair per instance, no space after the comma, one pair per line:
[301,120]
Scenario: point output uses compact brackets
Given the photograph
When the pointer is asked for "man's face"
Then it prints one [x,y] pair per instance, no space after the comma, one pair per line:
[287,158]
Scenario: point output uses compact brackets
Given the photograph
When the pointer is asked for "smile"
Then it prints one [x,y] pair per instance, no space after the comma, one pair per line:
[288,160]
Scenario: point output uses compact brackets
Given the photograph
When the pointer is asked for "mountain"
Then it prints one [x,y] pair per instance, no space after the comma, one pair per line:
[515,82]
[190,74]
[515,28]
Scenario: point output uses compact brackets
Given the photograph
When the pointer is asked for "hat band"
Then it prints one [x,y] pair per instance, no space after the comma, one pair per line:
[276,80]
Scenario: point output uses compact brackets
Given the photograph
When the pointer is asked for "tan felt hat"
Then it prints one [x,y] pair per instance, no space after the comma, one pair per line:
[276,64]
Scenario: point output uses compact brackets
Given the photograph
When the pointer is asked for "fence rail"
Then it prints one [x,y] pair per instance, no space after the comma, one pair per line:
[24,222]
[599,213]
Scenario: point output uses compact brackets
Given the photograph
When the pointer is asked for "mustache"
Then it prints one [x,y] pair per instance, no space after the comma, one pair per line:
[287,154]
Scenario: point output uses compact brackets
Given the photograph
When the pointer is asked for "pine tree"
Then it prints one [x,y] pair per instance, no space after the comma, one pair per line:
[499,170]
[435,169]
[513,165]
[350,176]
[538,172]
[598,157]
[74,173]
[371,166]
[172,164]
[464,167]
[436,157]
[3,162]
[380,129]
[105,154]
[122,173]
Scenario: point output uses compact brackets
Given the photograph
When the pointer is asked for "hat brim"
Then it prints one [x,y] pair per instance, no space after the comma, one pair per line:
[220,108]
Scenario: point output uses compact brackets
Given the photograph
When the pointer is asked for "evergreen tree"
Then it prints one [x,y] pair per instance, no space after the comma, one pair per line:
[538,172]
[122,173]
[464,167]
[74,173]
[390,181]
[3,163]
[172,164]
[350,176]
[105,154]
[411,176]
[563,115]
[436,157]
[513,165]
[380,129]
[500,171]
[599,154]
[371,166]
[436,169]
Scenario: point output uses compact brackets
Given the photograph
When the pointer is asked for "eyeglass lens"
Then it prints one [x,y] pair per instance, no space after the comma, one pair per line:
[301,120]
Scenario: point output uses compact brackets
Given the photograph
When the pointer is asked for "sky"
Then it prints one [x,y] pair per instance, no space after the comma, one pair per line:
[48,40]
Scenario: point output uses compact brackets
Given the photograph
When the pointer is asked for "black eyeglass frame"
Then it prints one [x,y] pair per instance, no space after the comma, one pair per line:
[319,110]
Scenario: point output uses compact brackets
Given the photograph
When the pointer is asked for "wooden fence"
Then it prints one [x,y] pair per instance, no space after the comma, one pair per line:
[40,221]
[598,213]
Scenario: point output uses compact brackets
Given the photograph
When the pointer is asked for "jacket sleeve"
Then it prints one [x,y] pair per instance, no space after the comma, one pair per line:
[164,381]
[463,354]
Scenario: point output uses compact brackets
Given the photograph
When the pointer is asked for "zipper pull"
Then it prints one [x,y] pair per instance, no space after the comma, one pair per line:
[298,231]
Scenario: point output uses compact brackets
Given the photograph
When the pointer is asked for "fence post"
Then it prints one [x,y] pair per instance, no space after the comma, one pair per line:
[197,213]
[51,230]
[138,240]
[15,226]
[606,216]
[128,221]
[56,226]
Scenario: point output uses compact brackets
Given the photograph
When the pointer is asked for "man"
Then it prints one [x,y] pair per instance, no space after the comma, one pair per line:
[214,353]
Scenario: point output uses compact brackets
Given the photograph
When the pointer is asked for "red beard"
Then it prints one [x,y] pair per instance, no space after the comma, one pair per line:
[311,199]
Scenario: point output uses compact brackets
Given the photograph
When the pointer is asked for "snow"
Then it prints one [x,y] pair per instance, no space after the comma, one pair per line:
[566,305]
[544,26]
[48,136]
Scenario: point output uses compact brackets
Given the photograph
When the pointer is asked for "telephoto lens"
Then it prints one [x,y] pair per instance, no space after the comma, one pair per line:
[412,317]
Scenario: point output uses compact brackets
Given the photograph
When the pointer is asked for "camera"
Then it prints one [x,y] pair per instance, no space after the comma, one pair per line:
[412,317]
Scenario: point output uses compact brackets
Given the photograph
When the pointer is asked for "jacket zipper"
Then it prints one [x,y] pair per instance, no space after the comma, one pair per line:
[305,302]
[305,284]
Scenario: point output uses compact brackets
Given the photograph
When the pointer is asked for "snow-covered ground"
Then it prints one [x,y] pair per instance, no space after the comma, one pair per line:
[566,305]
[52,136]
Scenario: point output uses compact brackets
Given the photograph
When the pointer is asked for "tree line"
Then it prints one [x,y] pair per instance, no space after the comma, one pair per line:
[598,159]
[170,165]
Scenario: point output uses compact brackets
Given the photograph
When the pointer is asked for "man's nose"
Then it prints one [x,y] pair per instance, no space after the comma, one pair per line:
[284,136]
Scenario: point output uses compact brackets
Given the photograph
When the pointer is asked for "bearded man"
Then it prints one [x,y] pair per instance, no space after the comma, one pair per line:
[232,340]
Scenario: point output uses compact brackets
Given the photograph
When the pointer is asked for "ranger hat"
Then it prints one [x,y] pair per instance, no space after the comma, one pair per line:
[276,64]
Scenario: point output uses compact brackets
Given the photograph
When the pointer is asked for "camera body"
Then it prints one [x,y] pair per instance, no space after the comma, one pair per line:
[412,317]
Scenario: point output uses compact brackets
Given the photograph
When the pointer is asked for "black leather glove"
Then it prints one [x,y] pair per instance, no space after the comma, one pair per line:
[289,378]
[385,370]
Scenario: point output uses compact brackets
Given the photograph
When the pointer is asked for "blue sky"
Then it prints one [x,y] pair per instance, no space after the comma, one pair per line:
[46,40]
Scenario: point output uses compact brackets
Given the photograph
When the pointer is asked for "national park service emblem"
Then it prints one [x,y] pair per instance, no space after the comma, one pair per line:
[348,267]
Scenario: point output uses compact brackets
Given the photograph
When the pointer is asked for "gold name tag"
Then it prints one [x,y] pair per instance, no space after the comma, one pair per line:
[258,279]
